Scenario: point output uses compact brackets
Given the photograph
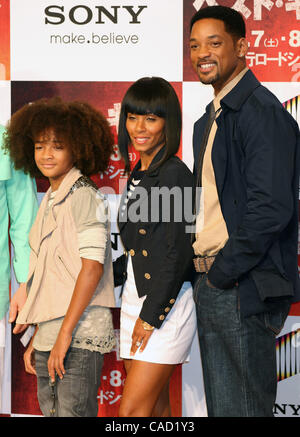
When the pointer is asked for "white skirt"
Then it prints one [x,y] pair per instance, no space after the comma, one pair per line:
[171,343]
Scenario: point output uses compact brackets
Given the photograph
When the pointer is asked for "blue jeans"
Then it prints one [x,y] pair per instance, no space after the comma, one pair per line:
[76,394]
[238,354]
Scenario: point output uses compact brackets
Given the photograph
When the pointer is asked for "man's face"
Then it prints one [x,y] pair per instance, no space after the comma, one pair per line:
[216,57]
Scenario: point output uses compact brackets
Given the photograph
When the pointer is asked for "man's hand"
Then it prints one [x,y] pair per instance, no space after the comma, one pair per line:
[212,286]
[209,283]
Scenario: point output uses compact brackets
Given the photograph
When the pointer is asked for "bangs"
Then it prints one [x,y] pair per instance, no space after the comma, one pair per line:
[145,97]
[140,107]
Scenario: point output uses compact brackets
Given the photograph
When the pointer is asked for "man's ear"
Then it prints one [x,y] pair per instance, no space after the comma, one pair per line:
[242,47]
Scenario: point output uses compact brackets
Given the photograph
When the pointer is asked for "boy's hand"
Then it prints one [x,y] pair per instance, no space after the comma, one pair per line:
[29,360]
[57,355]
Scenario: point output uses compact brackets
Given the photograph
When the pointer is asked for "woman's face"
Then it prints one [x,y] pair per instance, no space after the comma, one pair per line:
[147,132]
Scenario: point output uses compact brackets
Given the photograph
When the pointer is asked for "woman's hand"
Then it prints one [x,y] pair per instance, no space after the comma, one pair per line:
[140,337]
[57,355]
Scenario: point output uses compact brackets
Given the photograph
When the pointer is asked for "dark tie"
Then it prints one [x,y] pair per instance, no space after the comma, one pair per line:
[210,120]
[198,169]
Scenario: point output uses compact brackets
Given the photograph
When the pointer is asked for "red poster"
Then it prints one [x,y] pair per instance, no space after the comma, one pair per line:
[4,40]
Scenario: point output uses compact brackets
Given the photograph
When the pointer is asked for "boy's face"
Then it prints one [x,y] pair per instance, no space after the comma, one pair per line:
[216,57]
[53,157]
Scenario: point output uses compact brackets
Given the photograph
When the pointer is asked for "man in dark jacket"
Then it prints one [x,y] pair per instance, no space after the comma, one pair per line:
[246,154]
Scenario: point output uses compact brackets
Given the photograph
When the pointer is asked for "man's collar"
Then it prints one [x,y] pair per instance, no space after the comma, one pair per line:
[237,96]
[228,87]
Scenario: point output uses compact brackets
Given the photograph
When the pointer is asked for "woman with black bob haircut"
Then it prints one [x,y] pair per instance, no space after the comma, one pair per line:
[158,319]
[142,98]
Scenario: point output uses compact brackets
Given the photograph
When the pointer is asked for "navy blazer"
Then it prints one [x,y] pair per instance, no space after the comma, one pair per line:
[160,249]
[255,158]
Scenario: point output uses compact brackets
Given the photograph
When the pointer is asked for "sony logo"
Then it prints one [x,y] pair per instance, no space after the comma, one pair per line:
[287,409]
[82,14]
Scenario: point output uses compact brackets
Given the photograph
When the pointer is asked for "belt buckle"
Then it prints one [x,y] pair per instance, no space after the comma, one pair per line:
[205,264]
[202,265]
[198,264]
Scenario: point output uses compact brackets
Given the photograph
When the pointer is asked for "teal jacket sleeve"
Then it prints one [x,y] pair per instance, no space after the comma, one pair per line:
[22,208]
[18,200]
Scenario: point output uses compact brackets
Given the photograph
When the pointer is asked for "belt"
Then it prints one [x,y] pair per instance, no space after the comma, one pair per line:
[203,263]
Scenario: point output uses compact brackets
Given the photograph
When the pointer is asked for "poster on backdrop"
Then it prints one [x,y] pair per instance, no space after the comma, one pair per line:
[4,40]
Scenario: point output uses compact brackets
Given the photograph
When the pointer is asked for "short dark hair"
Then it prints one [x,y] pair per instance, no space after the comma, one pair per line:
[151,95]
[84,129]
[232,19]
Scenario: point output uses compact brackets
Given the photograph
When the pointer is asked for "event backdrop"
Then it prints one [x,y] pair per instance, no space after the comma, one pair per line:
[92,51]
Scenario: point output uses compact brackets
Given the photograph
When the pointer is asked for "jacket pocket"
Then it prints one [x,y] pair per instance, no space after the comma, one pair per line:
[65,267]
[276,257]
[271,284]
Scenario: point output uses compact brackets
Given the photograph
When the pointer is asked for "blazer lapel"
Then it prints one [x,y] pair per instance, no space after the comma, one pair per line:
[49,225]
[36,229]
[41,229]
[120,220]
[231,102]
[198,134]
[145,185]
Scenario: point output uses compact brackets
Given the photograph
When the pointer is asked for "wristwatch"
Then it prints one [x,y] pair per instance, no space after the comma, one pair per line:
[147,326]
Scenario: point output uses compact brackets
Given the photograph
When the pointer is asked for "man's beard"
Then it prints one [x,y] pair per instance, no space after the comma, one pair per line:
[209,80]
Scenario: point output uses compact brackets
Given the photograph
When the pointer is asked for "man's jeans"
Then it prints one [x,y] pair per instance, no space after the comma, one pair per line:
[238,354]
[76,394]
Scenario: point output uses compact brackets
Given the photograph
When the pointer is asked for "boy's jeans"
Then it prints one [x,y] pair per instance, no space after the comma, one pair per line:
[238,354]
[76,394]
